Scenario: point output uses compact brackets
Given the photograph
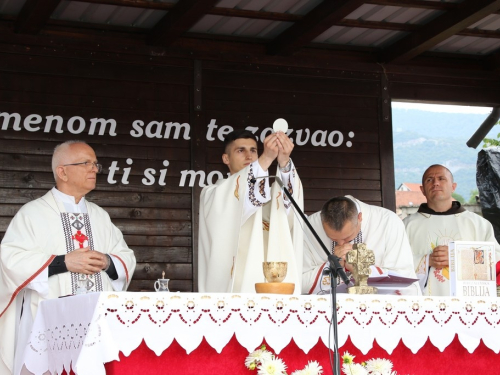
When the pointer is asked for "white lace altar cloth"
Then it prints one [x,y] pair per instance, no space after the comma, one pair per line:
[91,330]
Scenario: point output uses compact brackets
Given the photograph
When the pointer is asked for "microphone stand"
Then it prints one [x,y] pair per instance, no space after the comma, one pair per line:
[335,270]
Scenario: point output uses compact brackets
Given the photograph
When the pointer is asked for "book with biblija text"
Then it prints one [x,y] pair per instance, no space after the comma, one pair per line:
[472,269]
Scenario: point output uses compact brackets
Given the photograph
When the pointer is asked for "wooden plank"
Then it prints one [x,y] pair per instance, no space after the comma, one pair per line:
[104,70]
[255,14]
[441,28]
[298,99]
[179,20]
[291,107]
[419,4]
[70,98]
[138,227]
[280,83]
[163,254]
[41,180]
[326,172]
[17,162]
[318,20]
[145,152]
[198,156]
[153,271]
[386,147]
[118,199]
[159,240]
[146,4]
[445,95]
[122,212]
[34,15]
[339,160]
[378,25]
[98,142]
[61,86]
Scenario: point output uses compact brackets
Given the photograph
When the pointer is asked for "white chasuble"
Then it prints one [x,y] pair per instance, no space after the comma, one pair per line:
[33,239]
[231,253]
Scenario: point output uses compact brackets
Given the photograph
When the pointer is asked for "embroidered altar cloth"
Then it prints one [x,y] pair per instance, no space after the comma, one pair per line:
[87,331]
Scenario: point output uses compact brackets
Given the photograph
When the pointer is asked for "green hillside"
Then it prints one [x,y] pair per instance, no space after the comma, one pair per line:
[422,138]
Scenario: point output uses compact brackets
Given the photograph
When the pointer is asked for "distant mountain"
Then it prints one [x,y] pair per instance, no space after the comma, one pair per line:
[422,138]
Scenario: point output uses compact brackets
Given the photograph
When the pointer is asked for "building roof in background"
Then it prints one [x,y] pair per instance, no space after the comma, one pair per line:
[410,186]
[409,198]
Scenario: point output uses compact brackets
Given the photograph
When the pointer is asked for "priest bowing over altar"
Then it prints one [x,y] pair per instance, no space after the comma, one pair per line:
[245,221]
[58,245]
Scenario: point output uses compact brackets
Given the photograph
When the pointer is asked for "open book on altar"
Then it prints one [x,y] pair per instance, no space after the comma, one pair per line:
[472,269]
[386,283]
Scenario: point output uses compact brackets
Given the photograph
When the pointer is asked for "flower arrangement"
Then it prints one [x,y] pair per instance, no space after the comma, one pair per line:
[378,366]
[267,363]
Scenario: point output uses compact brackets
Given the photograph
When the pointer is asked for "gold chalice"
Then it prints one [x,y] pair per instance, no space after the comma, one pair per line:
[275,273]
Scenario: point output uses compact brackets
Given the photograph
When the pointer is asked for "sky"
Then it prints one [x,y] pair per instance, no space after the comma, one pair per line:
[442,108]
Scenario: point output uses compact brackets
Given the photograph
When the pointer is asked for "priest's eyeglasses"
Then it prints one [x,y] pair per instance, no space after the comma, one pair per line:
[89,165]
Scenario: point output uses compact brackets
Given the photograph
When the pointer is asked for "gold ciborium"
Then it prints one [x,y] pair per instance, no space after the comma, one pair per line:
[275,273]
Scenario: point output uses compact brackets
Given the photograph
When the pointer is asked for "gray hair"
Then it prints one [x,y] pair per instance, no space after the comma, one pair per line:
[59,154]
[338,211]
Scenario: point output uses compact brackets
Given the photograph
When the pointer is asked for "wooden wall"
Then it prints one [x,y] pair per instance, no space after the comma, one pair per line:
[160,221]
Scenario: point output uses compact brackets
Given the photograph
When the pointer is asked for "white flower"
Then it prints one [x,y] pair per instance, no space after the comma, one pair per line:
[257,357]
[379,366]
[312,368]
[347,358]
[298,372]
[274,366]
[353,369]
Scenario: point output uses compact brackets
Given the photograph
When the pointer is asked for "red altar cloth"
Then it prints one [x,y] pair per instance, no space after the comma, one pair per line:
[205,360]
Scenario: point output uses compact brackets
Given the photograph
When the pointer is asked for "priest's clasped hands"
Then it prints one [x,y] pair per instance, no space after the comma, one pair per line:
[86,261]
[341,252]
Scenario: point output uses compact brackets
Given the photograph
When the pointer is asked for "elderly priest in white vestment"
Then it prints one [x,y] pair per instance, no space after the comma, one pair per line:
[51,244]
[344,221]
[244,222]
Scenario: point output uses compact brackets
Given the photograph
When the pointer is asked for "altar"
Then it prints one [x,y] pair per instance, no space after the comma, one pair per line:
[193,333]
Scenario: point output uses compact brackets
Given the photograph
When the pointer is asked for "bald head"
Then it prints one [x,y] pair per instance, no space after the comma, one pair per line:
[437,166]
[61,155]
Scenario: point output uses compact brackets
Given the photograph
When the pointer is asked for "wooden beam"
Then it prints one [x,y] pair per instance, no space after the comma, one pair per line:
[145,4]
[179,20]
[379,25]
[376,25]
[320,19]
[422,4]
[34,15]
[255,14]
[438,30]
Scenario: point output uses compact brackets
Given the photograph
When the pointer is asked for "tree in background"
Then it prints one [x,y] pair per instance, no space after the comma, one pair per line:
[490,141]
[458,197]
[472,198]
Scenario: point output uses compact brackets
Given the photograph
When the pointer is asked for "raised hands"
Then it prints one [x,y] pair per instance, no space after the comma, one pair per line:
[276,145]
